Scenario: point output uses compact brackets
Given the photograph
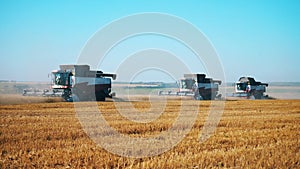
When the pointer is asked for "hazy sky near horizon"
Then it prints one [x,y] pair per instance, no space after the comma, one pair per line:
[252,37]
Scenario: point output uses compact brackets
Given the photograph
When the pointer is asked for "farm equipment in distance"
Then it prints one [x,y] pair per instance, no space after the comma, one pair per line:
[198,86]
[77,83]
[248,87]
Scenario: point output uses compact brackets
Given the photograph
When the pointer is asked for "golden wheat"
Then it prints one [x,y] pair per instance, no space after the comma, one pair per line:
[251,134]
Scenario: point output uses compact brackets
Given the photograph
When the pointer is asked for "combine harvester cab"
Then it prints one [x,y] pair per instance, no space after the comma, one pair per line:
[79,83]
[248,87]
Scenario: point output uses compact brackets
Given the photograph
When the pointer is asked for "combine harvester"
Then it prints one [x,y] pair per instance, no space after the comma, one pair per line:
[198,86]
[247,87]
[77,83]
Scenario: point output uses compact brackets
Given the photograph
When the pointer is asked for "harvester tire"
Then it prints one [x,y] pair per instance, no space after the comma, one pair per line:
[66,94]
[100,96]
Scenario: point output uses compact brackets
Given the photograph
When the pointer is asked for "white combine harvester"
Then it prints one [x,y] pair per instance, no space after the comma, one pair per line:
[77,82]
[198,86]
[249,88]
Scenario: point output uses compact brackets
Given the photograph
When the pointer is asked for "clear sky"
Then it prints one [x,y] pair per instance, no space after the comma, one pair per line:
[252,37]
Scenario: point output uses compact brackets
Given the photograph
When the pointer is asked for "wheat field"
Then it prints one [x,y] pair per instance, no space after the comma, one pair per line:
[251,134]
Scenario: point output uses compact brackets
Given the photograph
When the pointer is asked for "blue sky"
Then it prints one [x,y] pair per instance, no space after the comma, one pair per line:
[256,38]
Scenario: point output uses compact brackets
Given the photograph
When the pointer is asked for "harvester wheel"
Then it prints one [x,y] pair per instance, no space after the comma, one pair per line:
[258,95]
[66,94]
[100,96]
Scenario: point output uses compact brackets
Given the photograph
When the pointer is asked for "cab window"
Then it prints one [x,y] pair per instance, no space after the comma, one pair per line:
[60,79]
